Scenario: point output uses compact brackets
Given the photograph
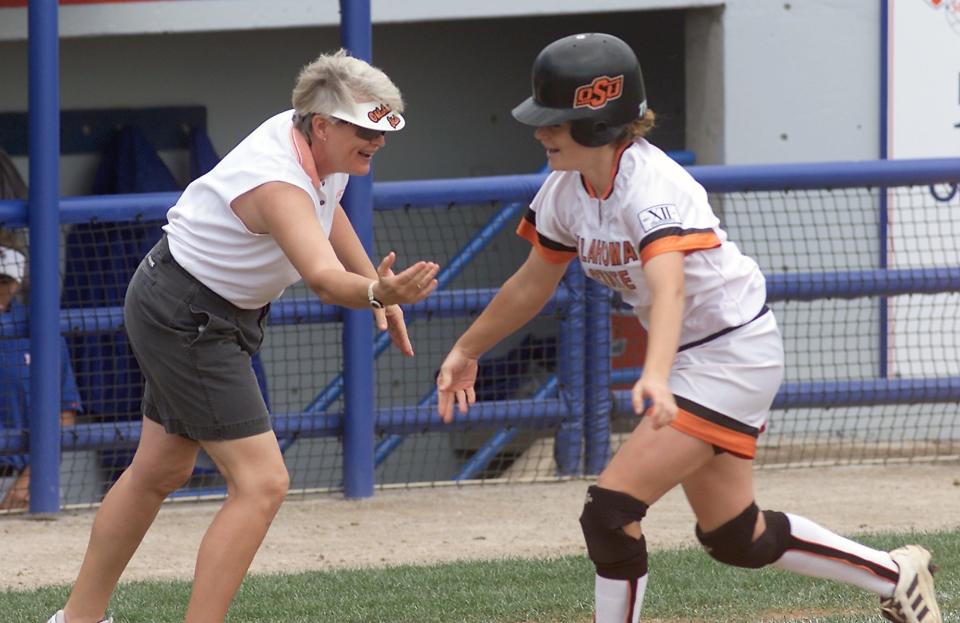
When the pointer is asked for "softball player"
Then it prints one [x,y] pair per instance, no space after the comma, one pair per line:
[639,224]
[266,216]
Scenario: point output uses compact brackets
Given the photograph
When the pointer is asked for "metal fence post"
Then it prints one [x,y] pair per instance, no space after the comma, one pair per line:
[597,398]
[359,403]
[44,220]
[568,442]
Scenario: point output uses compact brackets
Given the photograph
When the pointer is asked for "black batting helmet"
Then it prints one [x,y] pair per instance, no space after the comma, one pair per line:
[592,80]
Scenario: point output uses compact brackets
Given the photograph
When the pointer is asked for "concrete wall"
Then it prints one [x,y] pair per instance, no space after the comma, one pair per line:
[801,80]
[746,82]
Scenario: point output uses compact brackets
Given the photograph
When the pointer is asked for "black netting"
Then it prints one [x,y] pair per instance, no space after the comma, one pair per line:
[871,377]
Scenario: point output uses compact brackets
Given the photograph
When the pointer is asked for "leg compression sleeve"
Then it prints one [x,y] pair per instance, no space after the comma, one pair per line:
[616,554]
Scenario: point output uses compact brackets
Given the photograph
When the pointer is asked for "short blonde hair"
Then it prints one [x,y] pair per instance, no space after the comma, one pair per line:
[333,80]
[640,127]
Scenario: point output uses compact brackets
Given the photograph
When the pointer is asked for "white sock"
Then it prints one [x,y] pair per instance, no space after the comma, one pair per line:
[618,601]
[817,552]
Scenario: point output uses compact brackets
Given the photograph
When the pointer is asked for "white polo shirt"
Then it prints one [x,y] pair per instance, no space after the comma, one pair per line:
[653,206]
[209,240]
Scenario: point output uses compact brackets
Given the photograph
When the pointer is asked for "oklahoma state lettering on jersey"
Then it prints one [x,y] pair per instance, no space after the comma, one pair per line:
[653,206]
[607,252]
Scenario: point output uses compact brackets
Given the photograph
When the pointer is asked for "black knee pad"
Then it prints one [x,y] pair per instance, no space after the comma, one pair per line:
[733,544]
[616,554]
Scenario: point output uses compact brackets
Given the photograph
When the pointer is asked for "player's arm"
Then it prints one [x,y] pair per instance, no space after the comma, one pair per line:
[520,298]
[664,276]
[286,212]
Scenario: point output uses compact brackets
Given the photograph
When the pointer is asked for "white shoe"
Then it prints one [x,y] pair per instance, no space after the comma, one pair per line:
[914,599]
[59,617]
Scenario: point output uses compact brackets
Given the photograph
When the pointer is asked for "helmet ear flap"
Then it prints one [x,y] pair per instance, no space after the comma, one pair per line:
[587,132]
[594,132]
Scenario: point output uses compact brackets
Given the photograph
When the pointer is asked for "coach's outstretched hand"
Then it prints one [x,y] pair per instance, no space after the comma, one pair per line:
[455,383]
[390,318]
[410,286]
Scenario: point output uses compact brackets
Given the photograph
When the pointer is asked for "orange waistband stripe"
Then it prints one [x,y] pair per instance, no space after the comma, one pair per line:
[740,444]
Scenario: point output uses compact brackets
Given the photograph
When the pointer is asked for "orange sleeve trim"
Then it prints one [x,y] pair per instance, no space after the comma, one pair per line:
[686,244]
[740,444]
[528,232]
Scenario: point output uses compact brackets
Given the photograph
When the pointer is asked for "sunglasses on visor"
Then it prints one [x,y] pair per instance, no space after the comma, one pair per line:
[362,133]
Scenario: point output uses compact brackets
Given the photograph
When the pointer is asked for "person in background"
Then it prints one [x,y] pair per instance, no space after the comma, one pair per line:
[642,226]
[15,372]
[265,217]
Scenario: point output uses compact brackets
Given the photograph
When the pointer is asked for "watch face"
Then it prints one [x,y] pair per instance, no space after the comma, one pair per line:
[374,303]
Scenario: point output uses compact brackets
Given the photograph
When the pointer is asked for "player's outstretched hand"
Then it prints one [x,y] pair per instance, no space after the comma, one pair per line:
[652,398]
[409,286]
[458,374]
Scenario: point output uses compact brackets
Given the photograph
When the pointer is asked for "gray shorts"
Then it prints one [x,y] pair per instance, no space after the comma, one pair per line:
[194,348]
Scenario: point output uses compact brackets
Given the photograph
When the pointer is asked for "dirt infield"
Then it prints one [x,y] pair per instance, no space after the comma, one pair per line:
[421,526]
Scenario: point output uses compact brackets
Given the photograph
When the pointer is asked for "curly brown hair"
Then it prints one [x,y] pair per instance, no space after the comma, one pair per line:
[641,127]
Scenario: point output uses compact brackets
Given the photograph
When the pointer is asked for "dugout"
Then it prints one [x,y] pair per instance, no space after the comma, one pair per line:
[716,72]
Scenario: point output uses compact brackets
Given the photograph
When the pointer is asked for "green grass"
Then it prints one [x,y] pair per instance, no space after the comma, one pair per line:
[685,586]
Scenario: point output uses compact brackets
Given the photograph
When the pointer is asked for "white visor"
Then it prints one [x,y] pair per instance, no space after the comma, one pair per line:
[372,115]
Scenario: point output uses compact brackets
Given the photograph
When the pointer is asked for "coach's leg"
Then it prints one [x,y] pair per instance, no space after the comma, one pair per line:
[646,466]
[734,531]
[257,482]
[161,465]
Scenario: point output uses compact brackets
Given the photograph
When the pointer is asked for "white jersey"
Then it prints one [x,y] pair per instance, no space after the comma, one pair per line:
[210,241]
[653,206]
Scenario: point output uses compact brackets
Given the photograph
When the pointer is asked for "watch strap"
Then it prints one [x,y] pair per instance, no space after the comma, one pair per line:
[375,303]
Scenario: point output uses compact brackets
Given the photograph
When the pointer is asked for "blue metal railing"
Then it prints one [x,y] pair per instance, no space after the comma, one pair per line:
[428,194]
[577,401]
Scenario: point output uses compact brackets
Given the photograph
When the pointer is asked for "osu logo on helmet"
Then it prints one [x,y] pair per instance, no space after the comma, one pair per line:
[596,94]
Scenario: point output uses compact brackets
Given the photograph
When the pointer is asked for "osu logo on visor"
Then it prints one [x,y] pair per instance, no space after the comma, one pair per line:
[596,94]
